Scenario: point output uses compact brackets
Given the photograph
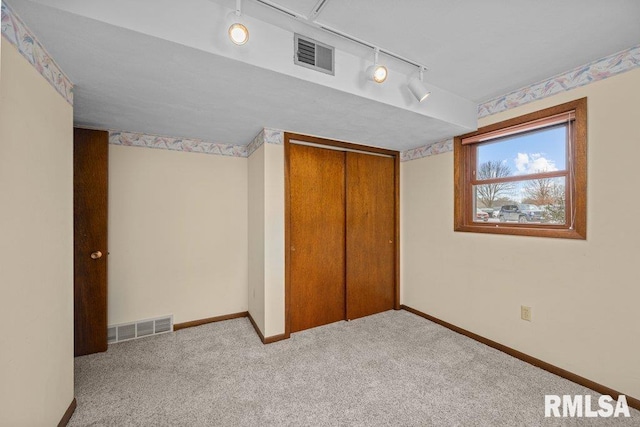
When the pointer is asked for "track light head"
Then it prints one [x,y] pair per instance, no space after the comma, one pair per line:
[238,33]
[418,90]
[377,73]
[416,87]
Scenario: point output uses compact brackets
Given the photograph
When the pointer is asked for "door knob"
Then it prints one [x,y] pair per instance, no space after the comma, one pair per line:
[96,255]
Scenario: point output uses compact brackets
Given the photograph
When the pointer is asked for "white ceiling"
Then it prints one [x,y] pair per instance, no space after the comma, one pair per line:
[164,67]
[483,49]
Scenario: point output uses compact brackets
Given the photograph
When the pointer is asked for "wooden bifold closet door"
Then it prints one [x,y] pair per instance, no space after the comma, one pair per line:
[370,245]
[317,236]
[342,235]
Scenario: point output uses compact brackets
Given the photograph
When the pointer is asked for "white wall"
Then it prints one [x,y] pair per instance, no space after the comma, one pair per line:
[36,254]
[177,234]
[584,294]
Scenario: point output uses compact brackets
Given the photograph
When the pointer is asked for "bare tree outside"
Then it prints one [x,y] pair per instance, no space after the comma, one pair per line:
[540,191]
[488,194]
[550,195]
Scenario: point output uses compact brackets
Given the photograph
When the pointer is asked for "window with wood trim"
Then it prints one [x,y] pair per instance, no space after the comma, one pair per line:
[525,176]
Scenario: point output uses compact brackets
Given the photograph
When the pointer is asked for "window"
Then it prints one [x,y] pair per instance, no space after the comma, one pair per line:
[525,176]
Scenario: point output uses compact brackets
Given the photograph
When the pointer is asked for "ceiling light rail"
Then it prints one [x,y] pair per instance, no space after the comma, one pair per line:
[282,9]
[317,9]
[314,14]
[377,72]
[371,46]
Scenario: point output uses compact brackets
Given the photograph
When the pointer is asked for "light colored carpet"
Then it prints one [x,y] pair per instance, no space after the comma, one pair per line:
[393,368]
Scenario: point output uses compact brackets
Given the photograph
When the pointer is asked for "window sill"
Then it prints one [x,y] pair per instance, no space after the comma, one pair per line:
[524,230]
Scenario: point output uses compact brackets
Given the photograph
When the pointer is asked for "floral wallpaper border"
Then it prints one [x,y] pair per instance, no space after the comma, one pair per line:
[138,139]
[427,150]
[17,33]
[600,69]
[256,143]
[266,135]
[273,136]
[135,139]
[597,70]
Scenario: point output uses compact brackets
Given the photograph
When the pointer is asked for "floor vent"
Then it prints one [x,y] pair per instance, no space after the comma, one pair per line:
[139,329]
[312,54]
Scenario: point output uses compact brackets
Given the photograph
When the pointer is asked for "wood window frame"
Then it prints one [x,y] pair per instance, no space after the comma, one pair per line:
[576,205]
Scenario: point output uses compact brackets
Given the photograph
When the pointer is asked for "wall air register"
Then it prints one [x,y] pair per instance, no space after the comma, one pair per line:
[312,54]
[139,329]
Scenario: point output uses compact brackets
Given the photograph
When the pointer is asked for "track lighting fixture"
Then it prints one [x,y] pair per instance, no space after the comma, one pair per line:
[376,72]
[238,33]
[417,87]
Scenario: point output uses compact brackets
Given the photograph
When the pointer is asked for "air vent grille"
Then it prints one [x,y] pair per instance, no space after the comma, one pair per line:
[163,325]
[139,329]
[111,334]
[306,52]
[126,332]
[312,54]
[144,328]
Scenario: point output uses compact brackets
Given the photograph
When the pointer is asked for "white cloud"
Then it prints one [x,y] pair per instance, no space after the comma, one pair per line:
[533,163]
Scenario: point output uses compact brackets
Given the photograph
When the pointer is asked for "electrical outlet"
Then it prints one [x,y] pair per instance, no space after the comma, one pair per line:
[525,313]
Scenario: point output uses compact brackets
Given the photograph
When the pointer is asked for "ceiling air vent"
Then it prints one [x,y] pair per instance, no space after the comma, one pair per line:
[312,54]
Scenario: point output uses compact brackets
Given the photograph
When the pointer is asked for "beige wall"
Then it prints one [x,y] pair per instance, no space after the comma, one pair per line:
[177,234]
[274,239]
[256,236]
[584,294]
[266,238]
[36,254]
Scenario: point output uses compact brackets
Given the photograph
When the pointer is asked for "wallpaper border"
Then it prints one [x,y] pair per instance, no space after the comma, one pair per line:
[138,139]
[600,69]
[18,34]
[191,145]
[427,150]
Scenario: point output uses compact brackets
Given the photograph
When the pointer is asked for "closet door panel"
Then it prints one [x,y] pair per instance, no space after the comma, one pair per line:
[370,247]
[317,230]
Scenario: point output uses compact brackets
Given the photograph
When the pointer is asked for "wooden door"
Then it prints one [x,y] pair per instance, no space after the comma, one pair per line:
[370,246]
[317,236]
[90,164]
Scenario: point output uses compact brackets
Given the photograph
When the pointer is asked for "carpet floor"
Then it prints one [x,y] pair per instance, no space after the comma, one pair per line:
[389,369]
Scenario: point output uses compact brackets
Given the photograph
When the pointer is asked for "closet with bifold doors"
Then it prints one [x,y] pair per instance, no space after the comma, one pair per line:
[341,231]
